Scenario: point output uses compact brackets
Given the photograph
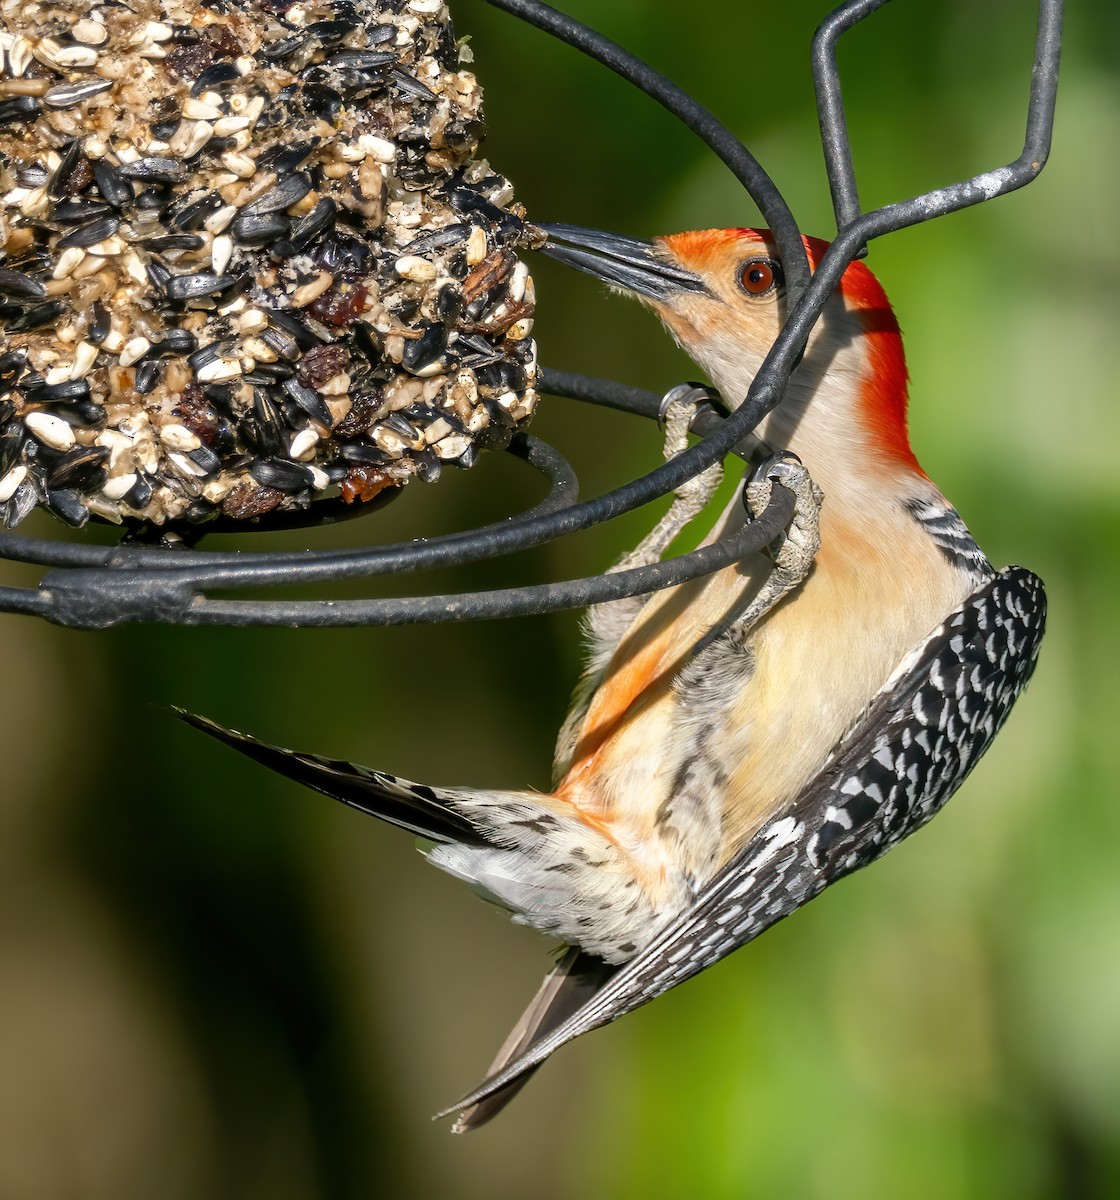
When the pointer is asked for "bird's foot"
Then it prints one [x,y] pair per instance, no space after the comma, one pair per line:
[679,409]
[794,550]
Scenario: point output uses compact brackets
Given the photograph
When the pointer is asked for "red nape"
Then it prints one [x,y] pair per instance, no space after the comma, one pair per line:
[884,395]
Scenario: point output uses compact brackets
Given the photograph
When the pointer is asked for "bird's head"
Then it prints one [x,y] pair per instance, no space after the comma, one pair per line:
[721,293]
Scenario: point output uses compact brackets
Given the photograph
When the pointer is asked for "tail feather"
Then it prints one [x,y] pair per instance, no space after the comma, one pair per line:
[511,850]
[572,982]
[416,807]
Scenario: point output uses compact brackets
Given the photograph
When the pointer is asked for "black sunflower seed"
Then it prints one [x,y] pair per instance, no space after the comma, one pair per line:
[33,175]
[158,275]
[410,87]
[282,475]
[67,505]
[323,101]
[343,255]
[114,188]
[205,458]
[140,495]
[20,506]
[33,318]
[502,376]
[15,283]
[190,213]
[425,349]
[214,76]
[449,235]
[52,393]
[256,230]
[56,189]
[10,445]
[86,413]
[282,342]
[294,327]
[268,436]
[399,424]
[99,323]
[287,192]
[78,212]
[476,360]
[166,130]
[267,374]
[362,60]
[153,199]
[203,355]
[422,414]
[307,229]
[366,340]
[173,241]
[176,341]
[363,453]
[500,429]
[12,364]
[147,375]
[281,159]
[19,108]
[80,468]
[88,235]
[475,309]
[427,465]
[331,33]
[221,396]
[283,47]
[191,287]
[309,401]
[449,303]
[292,415]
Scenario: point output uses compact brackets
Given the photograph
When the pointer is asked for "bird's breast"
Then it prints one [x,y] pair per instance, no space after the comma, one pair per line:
[817,660]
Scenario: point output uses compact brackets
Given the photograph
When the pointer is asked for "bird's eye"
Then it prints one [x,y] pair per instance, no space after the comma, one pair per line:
[760,276]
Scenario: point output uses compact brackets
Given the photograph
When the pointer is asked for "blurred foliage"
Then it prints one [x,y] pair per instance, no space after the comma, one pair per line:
[212,983]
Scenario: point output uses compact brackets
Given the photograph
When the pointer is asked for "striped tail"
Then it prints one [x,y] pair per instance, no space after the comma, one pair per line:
[425,811]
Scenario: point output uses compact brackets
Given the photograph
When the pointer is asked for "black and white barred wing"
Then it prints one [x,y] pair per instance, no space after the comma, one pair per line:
[903,759]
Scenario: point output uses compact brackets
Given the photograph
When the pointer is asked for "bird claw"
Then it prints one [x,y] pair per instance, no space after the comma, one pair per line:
[678,411]
[700,397]
[794,549]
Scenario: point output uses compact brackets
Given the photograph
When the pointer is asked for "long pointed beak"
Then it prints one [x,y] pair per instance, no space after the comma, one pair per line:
[625,262]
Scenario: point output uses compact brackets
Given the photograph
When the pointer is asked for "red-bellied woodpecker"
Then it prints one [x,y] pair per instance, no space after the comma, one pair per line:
[740,742]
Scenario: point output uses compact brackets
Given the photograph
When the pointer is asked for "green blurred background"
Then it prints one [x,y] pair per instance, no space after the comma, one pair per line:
[213,983]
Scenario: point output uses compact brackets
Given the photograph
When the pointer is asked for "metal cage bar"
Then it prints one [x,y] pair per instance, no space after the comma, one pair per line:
[95,586]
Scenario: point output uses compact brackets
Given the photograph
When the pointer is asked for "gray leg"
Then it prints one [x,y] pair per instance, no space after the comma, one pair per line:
[605,624]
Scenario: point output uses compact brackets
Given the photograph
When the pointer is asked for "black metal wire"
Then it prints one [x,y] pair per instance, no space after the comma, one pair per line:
[111,597]
[98,586]
[830,108]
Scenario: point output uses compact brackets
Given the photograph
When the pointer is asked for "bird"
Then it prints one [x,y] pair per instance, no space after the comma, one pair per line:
[739,742]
